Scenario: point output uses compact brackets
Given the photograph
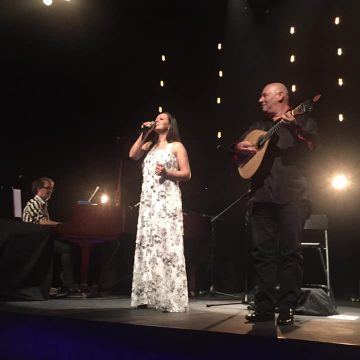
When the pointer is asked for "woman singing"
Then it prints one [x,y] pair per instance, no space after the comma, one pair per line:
[159,275]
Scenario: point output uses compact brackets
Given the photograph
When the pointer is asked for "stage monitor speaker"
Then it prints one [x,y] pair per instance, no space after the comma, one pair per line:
[315,301]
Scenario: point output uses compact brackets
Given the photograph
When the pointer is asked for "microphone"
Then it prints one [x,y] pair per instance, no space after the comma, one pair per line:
[152,125]
[144,128]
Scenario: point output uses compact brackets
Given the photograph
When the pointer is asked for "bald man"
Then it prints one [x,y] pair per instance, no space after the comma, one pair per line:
[280,205]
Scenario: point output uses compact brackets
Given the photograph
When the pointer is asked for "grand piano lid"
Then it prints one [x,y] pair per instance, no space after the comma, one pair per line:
[97,221]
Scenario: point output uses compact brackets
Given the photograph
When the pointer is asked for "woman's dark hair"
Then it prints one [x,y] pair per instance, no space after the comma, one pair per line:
[173,134]
[39,183]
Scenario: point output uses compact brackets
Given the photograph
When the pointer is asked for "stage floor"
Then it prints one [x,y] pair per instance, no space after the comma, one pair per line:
[339,329]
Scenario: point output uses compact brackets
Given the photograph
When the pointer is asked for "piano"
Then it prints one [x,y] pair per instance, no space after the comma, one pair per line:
[91,224]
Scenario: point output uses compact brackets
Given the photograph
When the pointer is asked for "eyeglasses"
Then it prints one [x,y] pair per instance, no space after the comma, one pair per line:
[48,188]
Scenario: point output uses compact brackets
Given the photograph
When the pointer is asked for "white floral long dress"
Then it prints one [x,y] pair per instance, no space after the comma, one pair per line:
[159,275]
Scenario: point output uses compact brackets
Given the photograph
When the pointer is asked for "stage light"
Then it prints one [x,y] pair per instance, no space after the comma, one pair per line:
[339,51]
[104,198]
[218,100]
[221,73]
[340,82]
[292,58]
[292,30]
[163,58]
[160,109]
[293,88]
[219,135]
[341,117]
[337,20]
[162,83]
[219,46]
[340,182]
[50,2]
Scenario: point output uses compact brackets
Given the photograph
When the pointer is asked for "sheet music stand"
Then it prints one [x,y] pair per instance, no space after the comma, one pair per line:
[212,290]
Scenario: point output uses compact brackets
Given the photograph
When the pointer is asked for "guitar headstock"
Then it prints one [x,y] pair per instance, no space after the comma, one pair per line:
[306,106]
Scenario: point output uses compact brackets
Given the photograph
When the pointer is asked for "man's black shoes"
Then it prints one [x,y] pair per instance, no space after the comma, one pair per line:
[286,317]
[260,316]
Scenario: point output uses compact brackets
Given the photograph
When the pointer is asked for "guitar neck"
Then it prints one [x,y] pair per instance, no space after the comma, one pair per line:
[263,139]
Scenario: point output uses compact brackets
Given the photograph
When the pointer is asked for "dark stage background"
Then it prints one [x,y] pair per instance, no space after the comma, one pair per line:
[79,77]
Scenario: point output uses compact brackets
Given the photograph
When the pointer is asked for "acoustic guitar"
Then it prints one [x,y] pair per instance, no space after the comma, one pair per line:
[260,140]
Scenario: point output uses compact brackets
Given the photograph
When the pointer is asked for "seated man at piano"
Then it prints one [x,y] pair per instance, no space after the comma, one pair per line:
[36,212]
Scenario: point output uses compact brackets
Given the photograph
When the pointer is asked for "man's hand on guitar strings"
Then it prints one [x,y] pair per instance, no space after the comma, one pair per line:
[245,148]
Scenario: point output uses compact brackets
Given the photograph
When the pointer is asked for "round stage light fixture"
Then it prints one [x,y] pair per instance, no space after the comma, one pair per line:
[104,199]
[340,182]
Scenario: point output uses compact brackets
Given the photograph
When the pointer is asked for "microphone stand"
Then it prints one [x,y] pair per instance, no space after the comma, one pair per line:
[212,290]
